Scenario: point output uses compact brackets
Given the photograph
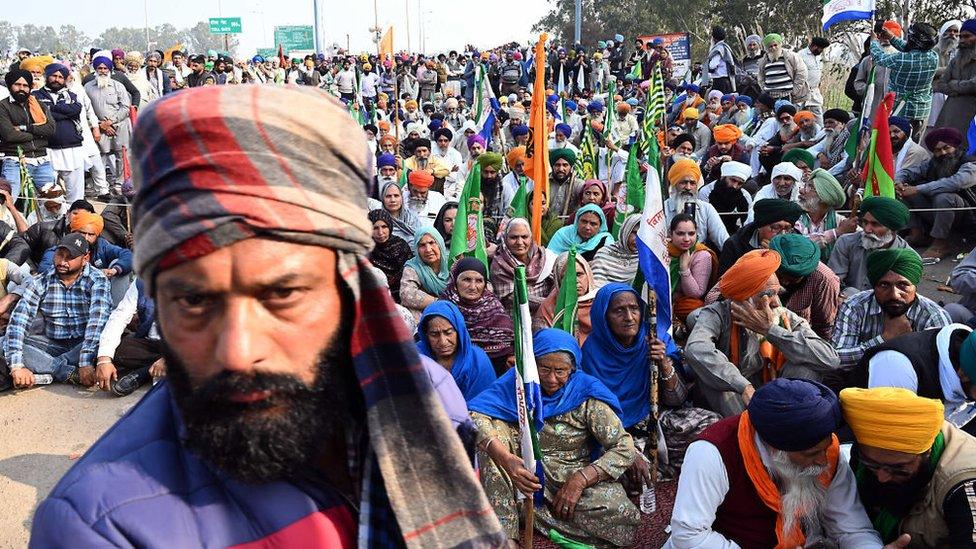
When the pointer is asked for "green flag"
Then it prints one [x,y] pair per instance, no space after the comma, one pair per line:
[636,71]
[468,237]
[565,317]
[563,542]
[402,181]
[586,159]
[520,204]
[653,111]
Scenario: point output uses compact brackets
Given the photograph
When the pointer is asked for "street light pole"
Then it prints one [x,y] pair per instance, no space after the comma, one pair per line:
[578,30]
[318,29]
[407,4]
[145,9]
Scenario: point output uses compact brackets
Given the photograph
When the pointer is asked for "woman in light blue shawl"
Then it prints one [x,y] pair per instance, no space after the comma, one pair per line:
[588,234]
[425,275]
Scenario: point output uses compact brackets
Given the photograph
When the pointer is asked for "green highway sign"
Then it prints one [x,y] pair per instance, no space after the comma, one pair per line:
[294,37]
[225,25]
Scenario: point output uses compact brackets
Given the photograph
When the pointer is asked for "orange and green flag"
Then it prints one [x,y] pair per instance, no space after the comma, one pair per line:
[879,169]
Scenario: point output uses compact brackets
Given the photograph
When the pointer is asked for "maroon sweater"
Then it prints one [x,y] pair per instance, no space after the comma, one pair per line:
[742,517]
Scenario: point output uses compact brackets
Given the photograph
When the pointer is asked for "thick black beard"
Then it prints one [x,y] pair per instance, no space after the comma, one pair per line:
[894,308]
[945,166]
[252,442]
[896,498]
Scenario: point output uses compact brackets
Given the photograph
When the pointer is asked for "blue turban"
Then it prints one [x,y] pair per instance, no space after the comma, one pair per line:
[435,124]
[564,129]
[385,160]
[520,130]
[794,414]
[728,97]
[969,25]
[901,123]
[257,59]
[571,105]
[693,88]
[56,68]
[102,60]
[744,99]
[595,106]
[618,37]
[633,102]
[552,99]
[657,42]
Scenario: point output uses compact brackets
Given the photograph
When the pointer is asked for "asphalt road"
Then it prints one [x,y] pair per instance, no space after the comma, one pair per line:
[43,430]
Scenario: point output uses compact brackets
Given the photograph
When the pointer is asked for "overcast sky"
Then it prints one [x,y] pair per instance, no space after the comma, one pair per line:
[448,24]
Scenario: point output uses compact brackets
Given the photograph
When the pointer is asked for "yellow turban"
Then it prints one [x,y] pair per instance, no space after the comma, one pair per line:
[691,113]
[892,418]
[749,274]
[683,168]
[36,63]
[84,218]
[410,103]
[726,133]
[514,155]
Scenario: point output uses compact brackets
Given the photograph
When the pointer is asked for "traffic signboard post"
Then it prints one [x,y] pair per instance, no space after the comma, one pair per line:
[294,37]
[225,25]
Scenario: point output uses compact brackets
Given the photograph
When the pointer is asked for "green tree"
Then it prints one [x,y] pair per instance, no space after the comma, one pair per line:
[70,39]
[199,39]
[124,38]
[8,35]
[38,39]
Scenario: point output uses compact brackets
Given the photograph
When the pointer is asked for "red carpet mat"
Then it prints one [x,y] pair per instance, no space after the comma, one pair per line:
[650,533]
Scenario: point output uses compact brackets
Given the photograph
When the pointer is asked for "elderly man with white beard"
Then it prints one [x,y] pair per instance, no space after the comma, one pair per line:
[831,151]
[111,103]
[784,183]
[772,476]
[880,219]
[685,177]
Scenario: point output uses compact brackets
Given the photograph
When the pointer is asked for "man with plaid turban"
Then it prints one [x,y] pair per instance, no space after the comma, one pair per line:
[945,181]
[748,337]
[296,408]
[891,308]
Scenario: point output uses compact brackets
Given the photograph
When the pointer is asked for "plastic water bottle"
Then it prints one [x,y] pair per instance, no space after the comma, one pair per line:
[648,500]
[43,379]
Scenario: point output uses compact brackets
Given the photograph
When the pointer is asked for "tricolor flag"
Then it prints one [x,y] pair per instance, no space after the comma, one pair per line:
[528,393]
[835,11]
[879,170]
[485,106]
[652,251]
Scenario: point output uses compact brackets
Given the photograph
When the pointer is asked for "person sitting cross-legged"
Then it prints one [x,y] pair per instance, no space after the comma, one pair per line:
[748,338]
[584,501]
[892,308]
[126,362]
[74,300]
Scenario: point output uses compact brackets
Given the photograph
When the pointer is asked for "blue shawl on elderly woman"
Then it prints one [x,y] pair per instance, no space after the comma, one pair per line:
[624,370]
[498,400]
[472,369]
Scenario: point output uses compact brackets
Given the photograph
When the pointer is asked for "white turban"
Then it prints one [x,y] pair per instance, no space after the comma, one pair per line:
[788,169]
[736,169]
[949,24]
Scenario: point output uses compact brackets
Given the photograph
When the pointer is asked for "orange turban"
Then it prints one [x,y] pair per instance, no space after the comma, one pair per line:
[726,133]
[83,218]
[749,274]
[514,155]
[383,125]
[804,115]
[893,27]
[683,168]
[420,179]
[388,138]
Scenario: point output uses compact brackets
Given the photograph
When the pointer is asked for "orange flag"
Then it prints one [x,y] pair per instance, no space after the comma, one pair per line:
[386,45]
[537,166]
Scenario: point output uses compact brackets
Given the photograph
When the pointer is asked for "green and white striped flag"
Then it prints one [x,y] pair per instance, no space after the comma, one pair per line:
[586,160]
[654,109]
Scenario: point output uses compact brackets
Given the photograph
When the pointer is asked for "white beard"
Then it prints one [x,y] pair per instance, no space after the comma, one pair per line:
[811,204]
[102,81]
[680,199]
[802,495]
[871,242]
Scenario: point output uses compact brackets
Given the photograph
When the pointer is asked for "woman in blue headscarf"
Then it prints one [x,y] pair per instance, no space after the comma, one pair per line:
[617,352]
[588,234]
[444,338]
[583,501]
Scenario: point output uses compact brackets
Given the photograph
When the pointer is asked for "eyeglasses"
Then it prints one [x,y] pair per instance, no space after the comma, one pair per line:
[897,471]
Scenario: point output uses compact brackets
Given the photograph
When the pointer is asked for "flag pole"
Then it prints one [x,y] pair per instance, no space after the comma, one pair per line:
[650,448]
[529,507]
